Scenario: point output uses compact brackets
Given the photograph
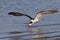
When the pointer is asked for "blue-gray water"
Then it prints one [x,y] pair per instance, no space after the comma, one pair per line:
[49,24]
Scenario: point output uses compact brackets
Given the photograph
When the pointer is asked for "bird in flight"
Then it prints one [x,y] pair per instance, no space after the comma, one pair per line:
[36,18]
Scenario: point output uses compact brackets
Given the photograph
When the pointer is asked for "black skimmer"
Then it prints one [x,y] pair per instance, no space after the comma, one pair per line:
[36,18]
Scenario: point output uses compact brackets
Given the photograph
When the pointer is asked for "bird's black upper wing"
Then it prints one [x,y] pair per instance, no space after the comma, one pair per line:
[19,14]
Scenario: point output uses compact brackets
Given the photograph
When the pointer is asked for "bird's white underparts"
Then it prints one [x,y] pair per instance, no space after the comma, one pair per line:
[36,18]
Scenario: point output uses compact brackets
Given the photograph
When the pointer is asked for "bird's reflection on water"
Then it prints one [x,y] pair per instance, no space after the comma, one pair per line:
[20,38]
[34,34]
[15,37]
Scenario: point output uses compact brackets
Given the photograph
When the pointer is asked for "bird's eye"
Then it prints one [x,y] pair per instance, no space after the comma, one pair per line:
[30,22]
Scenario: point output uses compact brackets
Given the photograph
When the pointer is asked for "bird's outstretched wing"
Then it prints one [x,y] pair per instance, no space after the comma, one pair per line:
[39,14]
[48,11]
[19,14]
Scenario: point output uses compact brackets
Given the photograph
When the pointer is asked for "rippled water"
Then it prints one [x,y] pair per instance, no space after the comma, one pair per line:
[14,28]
